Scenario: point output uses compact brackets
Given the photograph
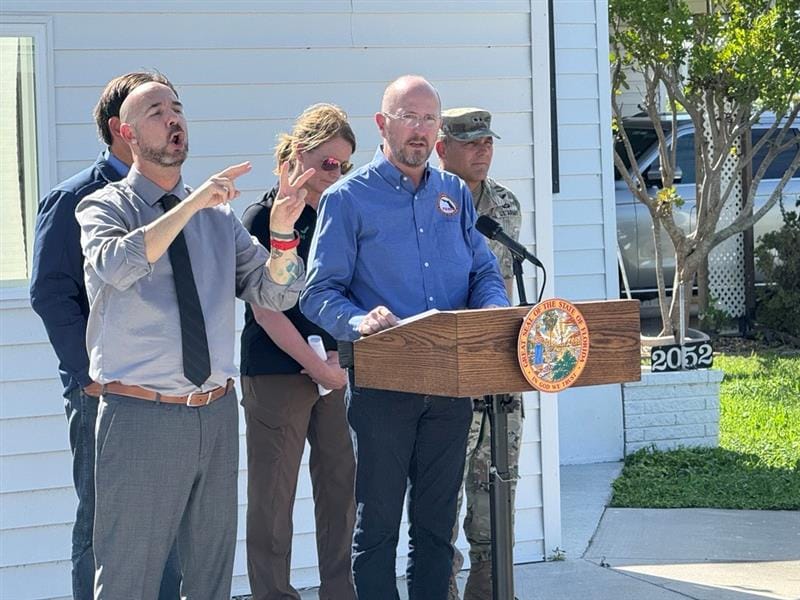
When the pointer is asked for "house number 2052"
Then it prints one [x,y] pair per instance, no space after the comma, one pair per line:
[694,355]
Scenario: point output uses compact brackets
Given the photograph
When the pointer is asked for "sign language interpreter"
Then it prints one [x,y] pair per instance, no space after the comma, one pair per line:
[163,266]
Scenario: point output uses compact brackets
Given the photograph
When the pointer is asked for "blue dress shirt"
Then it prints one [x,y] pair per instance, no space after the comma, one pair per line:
[57,289]
[379,241]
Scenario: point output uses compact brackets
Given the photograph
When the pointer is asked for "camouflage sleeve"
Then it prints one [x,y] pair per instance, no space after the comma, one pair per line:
[506,211]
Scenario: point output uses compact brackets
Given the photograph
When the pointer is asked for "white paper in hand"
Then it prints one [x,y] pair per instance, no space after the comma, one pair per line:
[317,346]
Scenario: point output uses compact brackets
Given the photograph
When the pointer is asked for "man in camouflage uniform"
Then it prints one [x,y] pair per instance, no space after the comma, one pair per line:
[465,148]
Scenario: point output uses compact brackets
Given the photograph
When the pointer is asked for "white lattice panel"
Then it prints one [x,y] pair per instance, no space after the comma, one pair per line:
[726,262]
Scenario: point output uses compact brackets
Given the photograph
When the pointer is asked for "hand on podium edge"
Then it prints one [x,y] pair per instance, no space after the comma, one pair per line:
[378,319]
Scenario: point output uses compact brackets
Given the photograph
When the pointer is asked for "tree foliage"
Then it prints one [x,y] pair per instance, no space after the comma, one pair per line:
[778,256]
[726,69]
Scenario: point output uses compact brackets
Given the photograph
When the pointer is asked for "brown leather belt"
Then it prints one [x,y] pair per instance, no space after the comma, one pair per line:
[193,399]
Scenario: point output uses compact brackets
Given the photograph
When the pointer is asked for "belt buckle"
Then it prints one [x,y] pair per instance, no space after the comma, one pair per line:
[208,398]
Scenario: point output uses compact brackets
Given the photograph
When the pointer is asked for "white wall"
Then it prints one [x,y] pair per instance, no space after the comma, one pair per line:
[590,419]
[244,70]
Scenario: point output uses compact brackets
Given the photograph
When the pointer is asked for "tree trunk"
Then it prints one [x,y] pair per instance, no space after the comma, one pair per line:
[702,287]
[662,290]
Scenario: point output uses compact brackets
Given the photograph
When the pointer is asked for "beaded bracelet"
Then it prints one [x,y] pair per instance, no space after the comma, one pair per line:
[285,244]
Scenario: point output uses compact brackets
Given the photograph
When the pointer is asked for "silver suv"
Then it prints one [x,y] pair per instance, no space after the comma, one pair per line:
[634,227]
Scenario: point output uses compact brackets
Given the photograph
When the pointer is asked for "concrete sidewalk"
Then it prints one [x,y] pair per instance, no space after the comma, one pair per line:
[704,554]
[652,554]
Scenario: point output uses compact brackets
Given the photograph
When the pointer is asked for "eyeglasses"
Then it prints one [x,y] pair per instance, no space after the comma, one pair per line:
[331,164]
[411,120]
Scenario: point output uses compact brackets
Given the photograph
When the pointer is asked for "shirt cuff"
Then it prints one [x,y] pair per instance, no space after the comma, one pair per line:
[355,323]
[135,255]
[83,379]
[500,301]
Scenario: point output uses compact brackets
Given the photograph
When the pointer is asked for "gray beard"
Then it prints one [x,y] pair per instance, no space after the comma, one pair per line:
[414,158]
[162,157]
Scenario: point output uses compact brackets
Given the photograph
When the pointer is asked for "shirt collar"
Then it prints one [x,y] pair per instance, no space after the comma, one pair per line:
[392,174]
[119,166]
[149,191]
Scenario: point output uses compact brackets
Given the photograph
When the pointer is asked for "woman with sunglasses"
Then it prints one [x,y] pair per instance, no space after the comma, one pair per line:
[282,402]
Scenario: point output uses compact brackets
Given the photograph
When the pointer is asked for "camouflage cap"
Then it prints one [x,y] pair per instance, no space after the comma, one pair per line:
[467,124]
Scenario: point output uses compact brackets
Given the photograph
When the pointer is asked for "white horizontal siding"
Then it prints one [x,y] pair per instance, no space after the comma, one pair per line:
[590,424]
[30,398]
[290,30]
[633,95]
[578,212]
[583,237]
[186,66]
[74,104]
[265,63]
[38,508]
[38,580]
[35,471]
[580,201]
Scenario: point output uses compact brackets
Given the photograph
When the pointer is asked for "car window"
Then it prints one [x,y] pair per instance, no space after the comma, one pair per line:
[641,141]
[781,163]
[684,158]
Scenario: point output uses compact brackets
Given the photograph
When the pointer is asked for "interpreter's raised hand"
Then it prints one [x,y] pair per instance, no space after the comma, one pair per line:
[220,187]
[378,319]
[289,202]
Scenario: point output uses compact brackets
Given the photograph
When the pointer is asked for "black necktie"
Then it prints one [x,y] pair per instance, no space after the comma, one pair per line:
[194,342]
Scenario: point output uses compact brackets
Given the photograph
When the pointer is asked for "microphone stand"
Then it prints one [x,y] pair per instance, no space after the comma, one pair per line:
[523,300]
[519,257]
[498,407]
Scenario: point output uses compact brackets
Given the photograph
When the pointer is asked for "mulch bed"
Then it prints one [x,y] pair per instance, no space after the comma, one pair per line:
[762,340]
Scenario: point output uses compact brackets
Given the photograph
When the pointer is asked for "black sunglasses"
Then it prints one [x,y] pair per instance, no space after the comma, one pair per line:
[331,164]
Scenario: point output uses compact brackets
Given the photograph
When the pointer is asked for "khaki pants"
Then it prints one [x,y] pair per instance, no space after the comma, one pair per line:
[281,412]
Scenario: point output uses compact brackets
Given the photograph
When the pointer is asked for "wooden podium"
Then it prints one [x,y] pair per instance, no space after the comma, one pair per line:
[474,352]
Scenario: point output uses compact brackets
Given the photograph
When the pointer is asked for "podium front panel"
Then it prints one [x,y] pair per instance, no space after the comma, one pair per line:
[474,352]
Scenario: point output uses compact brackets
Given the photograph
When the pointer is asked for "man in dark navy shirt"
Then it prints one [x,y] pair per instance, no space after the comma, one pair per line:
[58,295]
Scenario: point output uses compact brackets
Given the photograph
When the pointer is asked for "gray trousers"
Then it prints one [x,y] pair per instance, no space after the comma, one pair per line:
[164,471]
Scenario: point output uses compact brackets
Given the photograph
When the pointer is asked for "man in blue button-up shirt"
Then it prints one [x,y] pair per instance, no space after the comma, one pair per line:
[58,295]
[395,239]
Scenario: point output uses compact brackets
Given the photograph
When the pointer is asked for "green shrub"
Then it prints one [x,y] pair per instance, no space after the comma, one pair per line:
[778,257]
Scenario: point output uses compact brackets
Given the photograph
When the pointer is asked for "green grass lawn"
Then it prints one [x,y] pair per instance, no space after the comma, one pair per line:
[757,465]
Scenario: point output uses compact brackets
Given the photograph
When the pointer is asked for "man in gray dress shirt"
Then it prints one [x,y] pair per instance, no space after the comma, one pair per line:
[163,267]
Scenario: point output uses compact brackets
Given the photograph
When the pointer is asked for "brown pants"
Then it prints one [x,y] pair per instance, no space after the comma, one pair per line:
[281,412]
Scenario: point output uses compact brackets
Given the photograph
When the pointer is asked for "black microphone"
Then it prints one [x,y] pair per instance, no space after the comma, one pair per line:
[492,230]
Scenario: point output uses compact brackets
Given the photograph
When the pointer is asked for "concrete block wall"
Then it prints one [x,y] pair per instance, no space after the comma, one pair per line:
[669,410]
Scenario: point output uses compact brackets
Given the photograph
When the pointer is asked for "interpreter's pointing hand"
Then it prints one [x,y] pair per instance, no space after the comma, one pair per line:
[290,201]
[220,187]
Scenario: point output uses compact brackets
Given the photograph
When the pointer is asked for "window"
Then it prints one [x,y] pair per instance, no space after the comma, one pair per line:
[26,139]
[642,139]
[19,188]
[780,164]
[685,158]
